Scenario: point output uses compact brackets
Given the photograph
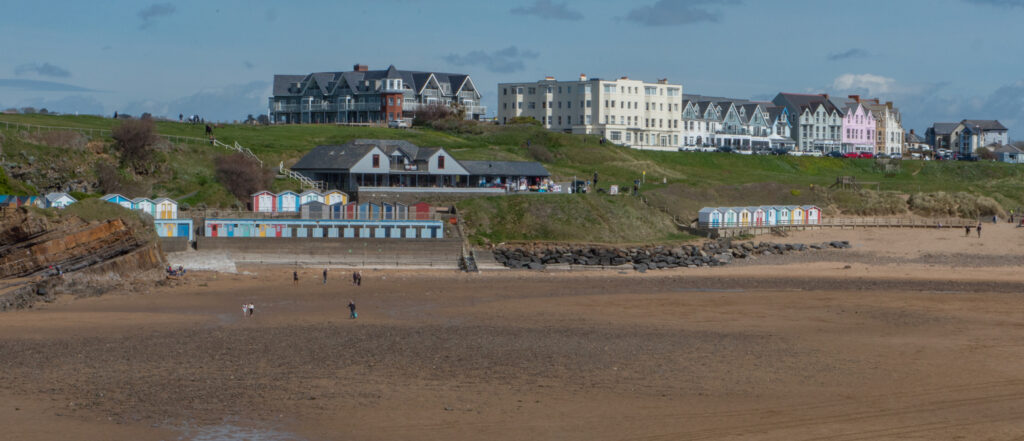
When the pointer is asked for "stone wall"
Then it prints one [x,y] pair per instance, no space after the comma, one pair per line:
[713,253]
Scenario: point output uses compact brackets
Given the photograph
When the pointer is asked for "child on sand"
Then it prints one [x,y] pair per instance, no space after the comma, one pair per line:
[979,230]
[295,277]
[352,309]
[325,276]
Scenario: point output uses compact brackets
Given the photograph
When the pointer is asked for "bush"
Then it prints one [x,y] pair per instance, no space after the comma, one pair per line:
[868,202]
[134,140]
[432,112]
[99,210]
[525,120]
[242,175]
[107,178]
[958,204]
[540,153]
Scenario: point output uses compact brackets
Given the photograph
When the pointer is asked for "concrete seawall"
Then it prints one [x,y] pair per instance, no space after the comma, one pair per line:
[433,253]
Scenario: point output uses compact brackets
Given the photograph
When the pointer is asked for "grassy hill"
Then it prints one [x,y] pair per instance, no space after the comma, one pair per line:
[679,182]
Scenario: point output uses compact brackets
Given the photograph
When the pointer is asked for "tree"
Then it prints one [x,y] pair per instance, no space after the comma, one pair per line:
[43,111]
[250,119]
[242,175]
[134,140]
[986,154]
[263,120]
[432,112]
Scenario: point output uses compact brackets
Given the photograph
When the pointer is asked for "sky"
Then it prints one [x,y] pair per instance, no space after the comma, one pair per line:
[938,60]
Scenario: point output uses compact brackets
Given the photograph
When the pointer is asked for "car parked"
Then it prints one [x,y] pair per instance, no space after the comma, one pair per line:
[835,154]
[852,155]
[814,153]
[865,155]
[724,149]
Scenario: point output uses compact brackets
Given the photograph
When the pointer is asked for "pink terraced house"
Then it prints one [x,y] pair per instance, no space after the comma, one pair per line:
[858,126]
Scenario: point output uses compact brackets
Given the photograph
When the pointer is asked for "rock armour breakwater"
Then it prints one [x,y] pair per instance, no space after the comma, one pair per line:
[713,253]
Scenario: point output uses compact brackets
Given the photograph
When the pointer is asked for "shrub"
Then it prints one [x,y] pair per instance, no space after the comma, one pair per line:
[525,120]
[868,202]
[107,178]
[540,153]
[794,192]
[134,140]
[958,204]
[432,112]
[242,175]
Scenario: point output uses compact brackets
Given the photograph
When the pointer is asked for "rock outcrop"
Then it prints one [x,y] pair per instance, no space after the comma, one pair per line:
[713,253]
[41,257]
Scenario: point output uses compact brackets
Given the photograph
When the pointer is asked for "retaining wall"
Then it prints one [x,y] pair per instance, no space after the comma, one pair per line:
[330,251]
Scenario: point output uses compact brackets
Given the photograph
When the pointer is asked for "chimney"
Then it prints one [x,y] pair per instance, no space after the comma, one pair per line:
[911,131]
[623,77]
[360,68]
[549,78]
[583,77]
[825,95]
[854,97]
[662,80]
[888,104]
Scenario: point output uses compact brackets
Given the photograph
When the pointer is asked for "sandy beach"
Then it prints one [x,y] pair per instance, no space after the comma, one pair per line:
[912,334]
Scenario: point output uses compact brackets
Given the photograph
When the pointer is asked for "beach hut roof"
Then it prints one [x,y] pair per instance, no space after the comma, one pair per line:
[57,195]
[262,192]
[730,209]
[312,203]
[110,196]
[310,192]
[286,192]
[159,200]
[809,207]
[757,209]
[137,200]
[709,209]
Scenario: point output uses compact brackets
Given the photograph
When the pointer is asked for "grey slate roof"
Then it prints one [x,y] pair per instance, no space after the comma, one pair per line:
[1007,148]
[796,102]
[943,128]
[984,124]
[411,80]
[332,157]
[505,168]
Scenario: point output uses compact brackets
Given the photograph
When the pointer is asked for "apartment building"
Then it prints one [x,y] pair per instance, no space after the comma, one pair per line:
[627,112]
[737,123]
[888,126]
[859,126]
[369,96]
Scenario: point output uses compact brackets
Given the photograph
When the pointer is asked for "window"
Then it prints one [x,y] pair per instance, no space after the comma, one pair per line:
[551,104]
[568,104]
[559,89]
[531,90]
[559,104]
[673,92]
[586,89]
[568,120]
[559,120]
[649,91]
[391,101]
[615,135]
[543,104]
[519,90]
[568,89]
[391,116]
[549,89]
[588,104]
[628,135]
[606,103]
[376,161]
[613,104]
[533,105]
[440,162]
[609,88]
[504,91]
[588,119]
[504,105]
[398,101]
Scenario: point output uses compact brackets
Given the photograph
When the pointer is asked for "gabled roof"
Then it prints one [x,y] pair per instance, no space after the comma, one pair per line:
[137,200]
[284,192]
[1008,148]
[332,157]
[797,102]
[449,83]
[262,192]
[159,200]
[57,195]
[984,124]
[310,192]
[110,196]
[944,128]
[505,168]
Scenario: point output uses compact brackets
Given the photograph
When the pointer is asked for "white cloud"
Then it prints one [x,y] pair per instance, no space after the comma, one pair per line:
[870,83]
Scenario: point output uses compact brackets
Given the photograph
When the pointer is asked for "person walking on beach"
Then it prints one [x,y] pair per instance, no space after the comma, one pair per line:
[325,276]
[245,310]
[352,309]
[295,277]
[252,309]
[354,277]
[967,231]
[979,230]
[359,278]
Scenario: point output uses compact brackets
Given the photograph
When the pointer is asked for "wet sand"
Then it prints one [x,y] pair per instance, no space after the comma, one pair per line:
[915,340]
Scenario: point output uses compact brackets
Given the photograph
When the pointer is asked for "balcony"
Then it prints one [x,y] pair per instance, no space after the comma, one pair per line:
[475,110]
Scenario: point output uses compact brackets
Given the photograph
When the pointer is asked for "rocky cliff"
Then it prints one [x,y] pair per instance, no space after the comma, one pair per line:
[43,255]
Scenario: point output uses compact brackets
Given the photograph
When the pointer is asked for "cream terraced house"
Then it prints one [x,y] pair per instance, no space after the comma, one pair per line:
[627,112]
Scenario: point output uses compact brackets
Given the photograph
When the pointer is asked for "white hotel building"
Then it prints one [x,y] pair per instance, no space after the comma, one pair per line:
[624,111]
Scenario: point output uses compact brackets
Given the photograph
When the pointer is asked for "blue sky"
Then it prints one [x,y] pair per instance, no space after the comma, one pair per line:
[938,60]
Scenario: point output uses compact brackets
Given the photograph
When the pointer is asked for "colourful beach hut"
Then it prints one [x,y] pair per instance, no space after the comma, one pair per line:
[166,208]
[310,196]
[145,205]
[758,216]
[335,197]
[796,216]
[784,215]
[387,211]
[771,215]
[351,210]
[363,211]
[421,211]
[118,199]
[288,202]
[730,217]
[337,211]
[264,202]
[812,215]
[744,215]
[375,213]
[709,216]
[59,200]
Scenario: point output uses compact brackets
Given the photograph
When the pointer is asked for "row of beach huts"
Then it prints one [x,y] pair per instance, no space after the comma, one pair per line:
[760,216]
